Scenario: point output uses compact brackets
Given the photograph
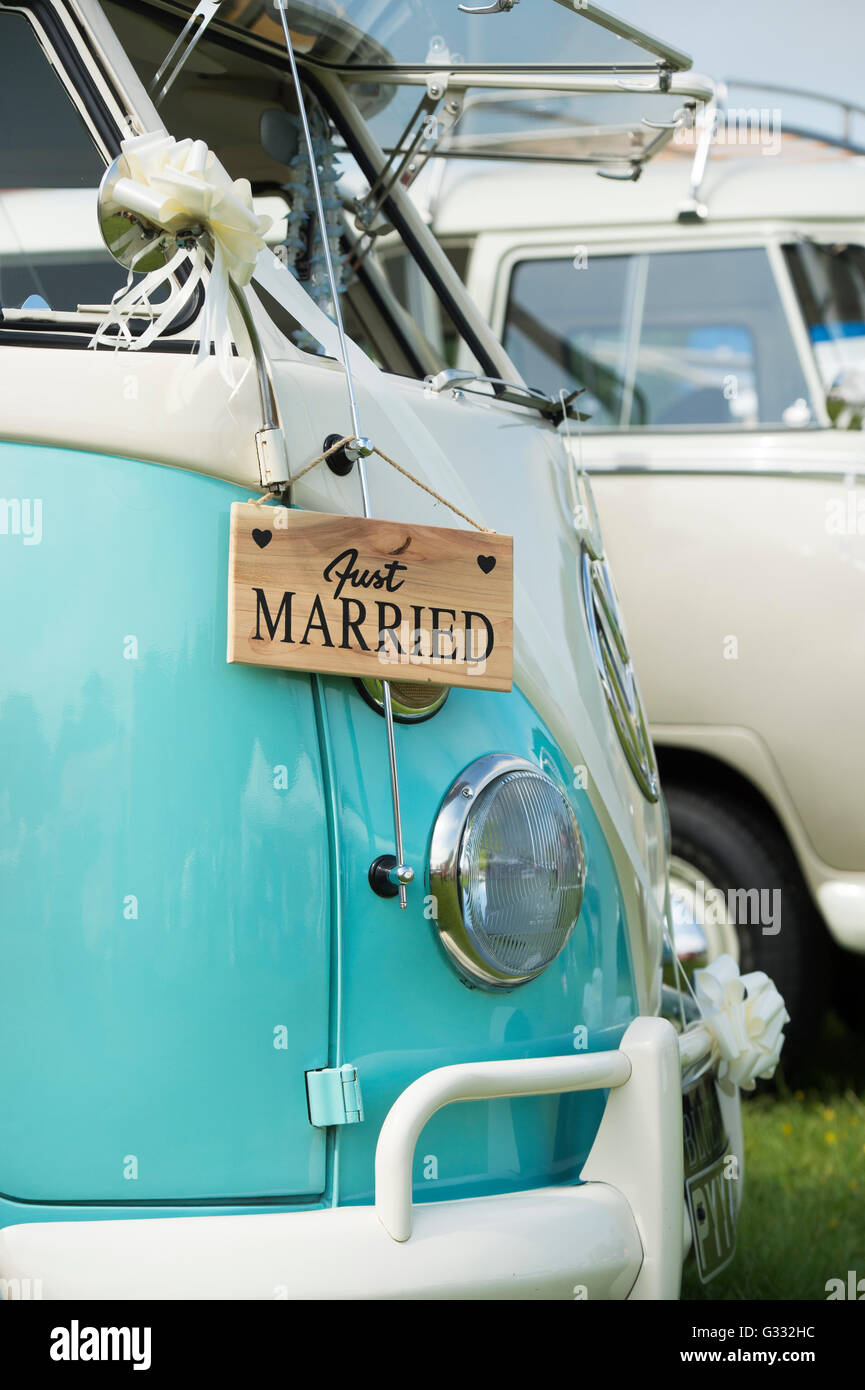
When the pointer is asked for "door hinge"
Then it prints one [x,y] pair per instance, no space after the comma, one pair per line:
[334,1096]
[272,457]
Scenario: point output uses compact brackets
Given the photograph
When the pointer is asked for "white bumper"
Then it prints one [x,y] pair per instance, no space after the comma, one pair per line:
[622,1234]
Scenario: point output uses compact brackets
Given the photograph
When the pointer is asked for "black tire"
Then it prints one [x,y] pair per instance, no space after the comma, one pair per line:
[848,988]
[736,847]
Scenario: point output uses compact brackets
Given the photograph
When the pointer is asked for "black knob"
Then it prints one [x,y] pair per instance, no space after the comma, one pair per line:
[379,870]
[338,463]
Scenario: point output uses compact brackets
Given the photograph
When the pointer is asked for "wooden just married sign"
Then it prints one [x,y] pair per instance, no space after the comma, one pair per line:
[388,600]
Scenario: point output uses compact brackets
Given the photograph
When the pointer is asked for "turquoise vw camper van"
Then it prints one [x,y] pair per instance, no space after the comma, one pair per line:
[311,985]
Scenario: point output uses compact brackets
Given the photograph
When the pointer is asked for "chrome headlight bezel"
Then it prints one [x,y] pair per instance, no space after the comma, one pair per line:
[446,845]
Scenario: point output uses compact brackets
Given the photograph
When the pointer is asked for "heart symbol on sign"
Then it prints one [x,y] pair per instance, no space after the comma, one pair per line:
[487,563]
[263,538]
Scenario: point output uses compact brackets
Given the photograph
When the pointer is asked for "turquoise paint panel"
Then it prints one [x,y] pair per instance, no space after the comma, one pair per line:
[163,854]
[406,1011]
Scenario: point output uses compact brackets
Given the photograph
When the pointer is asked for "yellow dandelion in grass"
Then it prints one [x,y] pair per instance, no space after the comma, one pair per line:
[798,1095]
[853,1184]
[833,1221]
[828,1114]
[786,1127]
[829,1137]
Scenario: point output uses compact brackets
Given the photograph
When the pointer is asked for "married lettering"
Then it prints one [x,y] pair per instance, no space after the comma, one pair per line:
[417,632]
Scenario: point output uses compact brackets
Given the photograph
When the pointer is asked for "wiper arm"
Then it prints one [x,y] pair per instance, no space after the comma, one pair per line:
[552,407]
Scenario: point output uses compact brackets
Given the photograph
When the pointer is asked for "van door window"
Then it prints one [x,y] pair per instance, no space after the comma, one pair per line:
[830,284]
[51,255]
[667,340]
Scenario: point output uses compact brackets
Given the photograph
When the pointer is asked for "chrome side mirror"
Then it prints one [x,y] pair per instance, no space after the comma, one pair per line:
[141,245]
[133,241]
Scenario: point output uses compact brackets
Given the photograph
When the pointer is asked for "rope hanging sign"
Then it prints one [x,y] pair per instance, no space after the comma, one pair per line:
[350,596]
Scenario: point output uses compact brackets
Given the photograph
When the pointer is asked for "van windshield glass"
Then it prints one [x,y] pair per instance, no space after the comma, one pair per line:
[436,33]
[241,102]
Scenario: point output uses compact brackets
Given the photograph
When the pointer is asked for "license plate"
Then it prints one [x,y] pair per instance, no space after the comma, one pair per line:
[710,1185]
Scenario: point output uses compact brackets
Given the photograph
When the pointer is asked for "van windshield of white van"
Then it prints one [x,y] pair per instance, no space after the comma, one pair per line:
[664,340]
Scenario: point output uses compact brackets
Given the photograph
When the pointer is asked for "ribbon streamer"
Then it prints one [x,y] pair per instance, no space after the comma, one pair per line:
[745,1015]
[182,191]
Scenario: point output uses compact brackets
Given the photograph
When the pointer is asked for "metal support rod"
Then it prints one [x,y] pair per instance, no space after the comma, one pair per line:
[400,870]
[385,180]
[325,246]
[359,446]
[264,388]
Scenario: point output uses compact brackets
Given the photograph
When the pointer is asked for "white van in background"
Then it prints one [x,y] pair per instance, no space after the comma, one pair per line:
[716,319]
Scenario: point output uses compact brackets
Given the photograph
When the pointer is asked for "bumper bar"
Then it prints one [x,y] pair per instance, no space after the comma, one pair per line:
[620,1234]
[532,1076]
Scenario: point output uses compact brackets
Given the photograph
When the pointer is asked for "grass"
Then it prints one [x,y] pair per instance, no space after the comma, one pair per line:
[803,1214]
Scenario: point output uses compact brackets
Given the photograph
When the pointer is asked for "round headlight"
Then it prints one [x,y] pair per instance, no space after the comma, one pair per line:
[507,872]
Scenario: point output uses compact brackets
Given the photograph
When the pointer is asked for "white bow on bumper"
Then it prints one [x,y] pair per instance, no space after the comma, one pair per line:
[745,1015]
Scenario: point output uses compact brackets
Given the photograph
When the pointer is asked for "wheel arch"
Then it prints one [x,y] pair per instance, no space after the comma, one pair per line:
[680,763]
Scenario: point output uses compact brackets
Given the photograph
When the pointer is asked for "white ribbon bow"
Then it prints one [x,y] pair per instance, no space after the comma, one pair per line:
[745,1015]
[177,185]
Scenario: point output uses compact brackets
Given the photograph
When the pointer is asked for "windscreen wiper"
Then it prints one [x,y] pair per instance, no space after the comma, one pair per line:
[553,407]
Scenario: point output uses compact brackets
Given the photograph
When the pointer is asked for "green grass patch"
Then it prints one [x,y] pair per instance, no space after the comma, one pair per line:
[803,1214]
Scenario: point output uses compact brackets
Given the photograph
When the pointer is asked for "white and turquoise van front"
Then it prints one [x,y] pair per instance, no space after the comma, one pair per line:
[233,1068]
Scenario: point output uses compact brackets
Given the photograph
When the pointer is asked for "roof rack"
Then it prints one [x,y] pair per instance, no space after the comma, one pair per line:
[849,112]
[693,209]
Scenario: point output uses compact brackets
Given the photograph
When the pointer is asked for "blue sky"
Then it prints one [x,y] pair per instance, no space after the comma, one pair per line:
[781,40]
[793,42]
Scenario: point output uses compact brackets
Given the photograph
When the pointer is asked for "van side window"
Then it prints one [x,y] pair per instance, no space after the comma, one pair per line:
[51,256]
[665,340]
[830,283]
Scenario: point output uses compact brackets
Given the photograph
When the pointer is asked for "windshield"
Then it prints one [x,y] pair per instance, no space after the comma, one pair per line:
[530,124]
[830,283]
[436,33]
[662,340]
[237,99]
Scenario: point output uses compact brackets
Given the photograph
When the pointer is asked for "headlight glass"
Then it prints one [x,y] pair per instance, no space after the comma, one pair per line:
[507,872]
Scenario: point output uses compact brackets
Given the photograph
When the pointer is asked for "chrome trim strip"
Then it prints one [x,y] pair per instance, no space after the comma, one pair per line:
[811,475]
[616,673]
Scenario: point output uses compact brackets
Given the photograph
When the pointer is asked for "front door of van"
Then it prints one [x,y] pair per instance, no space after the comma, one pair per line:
[164,854]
